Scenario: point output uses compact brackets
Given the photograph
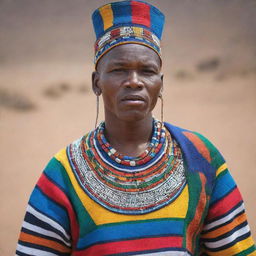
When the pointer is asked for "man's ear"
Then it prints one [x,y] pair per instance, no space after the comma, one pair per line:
[95,83]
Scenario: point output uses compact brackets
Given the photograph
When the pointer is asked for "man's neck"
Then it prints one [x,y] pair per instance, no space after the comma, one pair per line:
[129,138]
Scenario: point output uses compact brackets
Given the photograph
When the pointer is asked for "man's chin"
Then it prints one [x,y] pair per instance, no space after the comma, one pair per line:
[133,116]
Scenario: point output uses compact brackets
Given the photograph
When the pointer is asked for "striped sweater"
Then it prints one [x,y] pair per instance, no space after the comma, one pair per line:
[206,218]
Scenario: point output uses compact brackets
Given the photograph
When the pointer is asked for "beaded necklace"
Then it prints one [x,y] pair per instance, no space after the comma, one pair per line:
[157,141]
[129,185]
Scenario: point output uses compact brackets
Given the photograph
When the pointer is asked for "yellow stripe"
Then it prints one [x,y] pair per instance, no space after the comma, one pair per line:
[107,16]
[235,249]
[221,169]
[100,215]
[137,31]
[252,254]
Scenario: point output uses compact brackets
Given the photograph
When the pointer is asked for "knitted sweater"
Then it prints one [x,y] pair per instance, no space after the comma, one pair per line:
[207,216]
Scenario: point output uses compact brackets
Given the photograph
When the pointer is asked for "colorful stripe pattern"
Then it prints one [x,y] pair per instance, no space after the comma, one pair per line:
[125,22]
[226,224]
[207,218]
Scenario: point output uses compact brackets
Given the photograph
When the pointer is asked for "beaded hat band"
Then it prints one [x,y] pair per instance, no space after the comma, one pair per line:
[127,22]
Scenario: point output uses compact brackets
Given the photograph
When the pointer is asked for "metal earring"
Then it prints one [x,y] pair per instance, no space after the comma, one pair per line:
[97,109]
[162,108]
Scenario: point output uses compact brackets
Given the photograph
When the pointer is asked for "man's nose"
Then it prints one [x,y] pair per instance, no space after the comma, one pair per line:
[133,80]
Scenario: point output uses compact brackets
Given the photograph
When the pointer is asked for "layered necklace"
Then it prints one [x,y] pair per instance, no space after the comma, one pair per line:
[158,139]
[124,184]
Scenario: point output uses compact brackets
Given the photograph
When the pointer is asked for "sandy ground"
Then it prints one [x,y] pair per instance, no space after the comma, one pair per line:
[46,100]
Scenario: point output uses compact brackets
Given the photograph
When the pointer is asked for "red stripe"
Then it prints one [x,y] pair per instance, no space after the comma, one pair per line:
[138,245]
[115,32]
[140,13]
[199,144]
[57,195]
[194,226]
[225,204]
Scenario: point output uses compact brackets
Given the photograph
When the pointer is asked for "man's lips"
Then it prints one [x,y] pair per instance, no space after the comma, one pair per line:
[133,98]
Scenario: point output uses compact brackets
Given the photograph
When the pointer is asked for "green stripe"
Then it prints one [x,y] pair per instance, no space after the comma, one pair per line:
[85,222]
[194,194]
[140,221]
[216,158]
[247,252]
[143,184]
[222,173]
[194,188]
[147,174]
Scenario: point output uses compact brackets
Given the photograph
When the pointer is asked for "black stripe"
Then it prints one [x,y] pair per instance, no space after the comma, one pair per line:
[223,224]
[27,231]
[238,239]
[50,199]
[42,248]
[30,218]
[21,253]
[229,233]
[226,214]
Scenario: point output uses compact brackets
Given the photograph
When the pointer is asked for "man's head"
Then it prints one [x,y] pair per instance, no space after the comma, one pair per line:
[130,80]
[127,59]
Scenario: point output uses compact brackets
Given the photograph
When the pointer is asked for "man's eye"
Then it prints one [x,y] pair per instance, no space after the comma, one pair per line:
[117,70]
[149,71]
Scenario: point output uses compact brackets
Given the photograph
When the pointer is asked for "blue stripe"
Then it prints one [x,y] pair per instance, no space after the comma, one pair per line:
[157,23]
[122,13]
[224,184]
[193,159]
[98,23]
[46,206]
[134,230]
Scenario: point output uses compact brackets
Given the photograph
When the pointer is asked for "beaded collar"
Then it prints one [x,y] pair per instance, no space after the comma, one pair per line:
[157,141]
[129,185]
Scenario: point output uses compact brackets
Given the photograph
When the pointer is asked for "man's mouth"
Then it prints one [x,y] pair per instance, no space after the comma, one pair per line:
[133,98]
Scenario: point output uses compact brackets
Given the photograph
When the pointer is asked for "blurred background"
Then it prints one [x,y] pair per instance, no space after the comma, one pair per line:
[46,102]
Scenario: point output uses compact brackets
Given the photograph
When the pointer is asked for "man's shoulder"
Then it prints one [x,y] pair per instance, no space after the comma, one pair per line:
[60,160]
[194,144]
[62,155]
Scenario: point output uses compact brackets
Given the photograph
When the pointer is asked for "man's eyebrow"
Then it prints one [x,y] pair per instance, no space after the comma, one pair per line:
[149,64]
[117,63]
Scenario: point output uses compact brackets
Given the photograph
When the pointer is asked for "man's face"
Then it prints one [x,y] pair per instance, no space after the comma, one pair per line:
[129,78]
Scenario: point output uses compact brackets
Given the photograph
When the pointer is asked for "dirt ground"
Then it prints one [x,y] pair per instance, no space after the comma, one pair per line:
[46,53]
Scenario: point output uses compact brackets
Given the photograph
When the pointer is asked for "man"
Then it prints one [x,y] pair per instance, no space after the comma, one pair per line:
[134,185]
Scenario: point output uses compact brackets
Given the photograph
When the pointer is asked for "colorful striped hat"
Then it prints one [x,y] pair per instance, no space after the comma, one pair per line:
[127,22]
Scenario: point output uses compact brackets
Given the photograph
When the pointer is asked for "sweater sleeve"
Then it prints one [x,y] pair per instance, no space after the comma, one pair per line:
[47,226]
[226,230]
